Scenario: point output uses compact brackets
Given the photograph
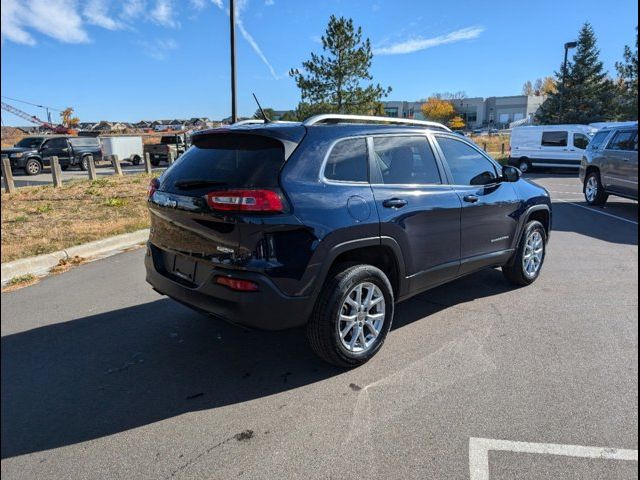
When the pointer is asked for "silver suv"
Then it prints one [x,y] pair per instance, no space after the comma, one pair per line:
[610,165]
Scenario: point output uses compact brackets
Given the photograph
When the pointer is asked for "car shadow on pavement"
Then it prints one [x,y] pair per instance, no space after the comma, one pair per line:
[99,375]
[572,218]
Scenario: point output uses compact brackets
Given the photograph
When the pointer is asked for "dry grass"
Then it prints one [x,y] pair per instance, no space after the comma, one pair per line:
[493,145]
[37,220]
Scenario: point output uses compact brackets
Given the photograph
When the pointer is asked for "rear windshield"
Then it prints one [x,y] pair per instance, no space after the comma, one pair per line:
[172,140]
[84,142]
[227,160]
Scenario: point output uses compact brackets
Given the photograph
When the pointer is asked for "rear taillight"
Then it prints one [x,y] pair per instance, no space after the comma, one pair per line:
[266,201]
[154,184]
[237,284]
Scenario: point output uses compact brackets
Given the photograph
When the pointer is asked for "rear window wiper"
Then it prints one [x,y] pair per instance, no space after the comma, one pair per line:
[188,184]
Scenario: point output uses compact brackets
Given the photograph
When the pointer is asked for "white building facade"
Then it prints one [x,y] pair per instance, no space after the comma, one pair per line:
[477,112]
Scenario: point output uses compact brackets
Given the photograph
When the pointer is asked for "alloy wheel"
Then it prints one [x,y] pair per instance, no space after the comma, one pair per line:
[533,253]
[361,317]
[591,188]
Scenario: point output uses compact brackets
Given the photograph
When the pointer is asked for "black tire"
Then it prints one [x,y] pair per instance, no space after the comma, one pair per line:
[597,197]
[322,329]
[524,165]
[84,163]
[64,168]
[135,160]
[155,162]
[515,271]
[33,166]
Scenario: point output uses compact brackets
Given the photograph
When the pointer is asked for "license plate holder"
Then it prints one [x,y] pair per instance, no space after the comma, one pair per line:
[184,268]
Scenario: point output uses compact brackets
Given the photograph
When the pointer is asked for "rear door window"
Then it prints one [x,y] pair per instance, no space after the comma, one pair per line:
[56,143]
[626,140]
[228,161]
[468,166]
[348,162]
[406,160]
[580,140]
[555,139]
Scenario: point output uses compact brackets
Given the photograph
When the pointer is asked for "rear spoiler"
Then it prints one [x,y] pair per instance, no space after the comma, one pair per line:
[289,135]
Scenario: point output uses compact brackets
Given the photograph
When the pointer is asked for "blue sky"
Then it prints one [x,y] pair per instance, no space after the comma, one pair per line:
[144,59]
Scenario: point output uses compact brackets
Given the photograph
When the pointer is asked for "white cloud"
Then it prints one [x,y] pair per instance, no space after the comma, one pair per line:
[96,12]
[160,49]
[240,7]
[57,19]
[13,28]
[132,9]
[198,4]
[419,43]
[162,14]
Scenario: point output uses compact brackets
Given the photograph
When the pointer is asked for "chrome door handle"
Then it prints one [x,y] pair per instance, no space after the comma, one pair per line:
[470,198]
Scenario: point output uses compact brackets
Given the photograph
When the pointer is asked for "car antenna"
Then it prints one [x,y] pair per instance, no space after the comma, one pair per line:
[264,115]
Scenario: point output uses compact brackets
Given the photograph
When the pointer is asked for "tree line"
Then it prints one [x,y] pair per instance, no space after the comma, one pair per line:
[338,80]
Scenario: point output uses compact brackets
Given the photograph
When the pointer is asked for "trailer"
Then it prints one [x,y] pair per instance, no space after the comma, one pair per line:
[125,147]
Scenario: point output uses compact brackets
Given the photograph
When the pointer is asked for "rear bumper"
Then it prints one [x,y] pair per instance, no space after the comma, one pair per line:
[266,309]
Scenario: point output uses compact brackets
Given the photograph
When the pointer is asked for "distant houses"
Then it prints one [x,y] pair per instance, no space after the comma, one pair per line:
[159,125]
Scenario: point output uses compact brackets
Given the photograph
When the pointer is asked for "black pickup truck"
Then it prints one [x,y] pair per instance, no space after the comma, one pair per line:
[34,153]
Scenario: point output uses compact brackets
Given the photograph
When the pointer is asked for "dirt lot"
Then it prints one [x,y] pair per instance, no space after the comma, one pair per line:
[38,220]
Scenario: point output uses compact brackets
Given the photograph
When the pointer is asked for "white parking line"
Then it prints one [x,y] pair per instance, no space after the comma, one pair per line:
[479,453]
[596,211]
[569,193]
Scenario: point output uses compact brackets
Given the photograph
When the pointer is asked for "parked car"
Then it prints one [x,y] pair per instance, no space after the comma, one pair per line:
[329,224]
[34,153]
[610,165]
[127,148]
[556,146]
[159,152]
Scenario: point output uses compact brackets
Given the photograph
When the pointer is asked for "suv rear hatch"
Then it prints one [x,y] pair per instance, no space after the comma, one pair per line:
[218,201]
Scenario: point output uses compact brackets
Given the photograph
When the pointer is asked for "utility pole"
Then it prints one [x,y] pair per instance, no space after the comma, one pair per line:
[567,46]
[232,38]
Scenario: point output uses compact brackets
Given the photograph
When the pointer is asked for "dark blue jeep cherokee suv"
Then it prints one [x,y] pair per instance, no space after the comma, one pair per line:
[329,223]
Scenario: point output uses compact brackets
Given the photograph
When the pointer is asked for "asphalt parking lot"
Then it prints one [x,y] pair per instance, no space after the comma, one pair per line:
[21,179]
[103,378]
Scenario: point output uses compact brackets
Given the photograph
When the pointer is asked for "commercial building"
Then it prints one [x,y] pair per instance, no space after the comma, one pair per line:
[478,112]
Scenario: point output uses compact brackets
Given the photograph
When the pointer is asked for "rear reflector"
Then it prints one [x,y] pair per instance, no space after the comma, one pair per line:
[154,184]
[266,201]
[237,284]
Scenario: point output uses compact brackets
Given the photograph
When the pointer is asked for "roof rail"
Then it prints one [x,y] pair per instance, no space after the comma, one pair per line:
[249,121]
[327,117]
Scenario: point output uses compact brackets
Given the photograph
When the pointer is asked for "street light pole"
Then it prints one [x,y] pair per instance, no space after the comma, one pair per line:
[567,46]
[232,39]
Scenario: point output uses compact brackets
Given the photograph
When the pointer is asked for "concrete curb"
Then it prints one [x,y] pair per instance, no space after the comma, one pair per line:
[41,264]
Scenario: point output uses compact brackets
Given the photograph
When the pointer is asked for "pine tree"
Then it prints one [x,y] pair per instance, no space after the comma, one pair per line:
[588,95]
[628,82]
[336,81]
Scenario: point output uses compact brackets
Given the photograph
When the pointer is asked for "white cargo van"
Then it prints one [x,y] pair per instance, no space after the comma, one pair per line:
[552,146]
[125,147]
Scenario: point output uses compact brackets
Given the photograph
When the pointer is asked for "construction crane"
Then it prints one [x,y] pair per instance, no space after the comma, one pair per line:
[34,119]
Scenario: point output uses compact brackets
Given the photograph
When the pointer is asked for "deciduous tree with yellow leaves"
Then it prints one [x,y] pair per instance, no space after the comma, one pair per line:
[457,123]
[438,110]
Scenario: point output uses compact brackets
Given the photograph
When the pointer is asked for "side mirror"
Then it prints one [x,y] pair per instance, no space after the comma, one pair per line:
[511,174]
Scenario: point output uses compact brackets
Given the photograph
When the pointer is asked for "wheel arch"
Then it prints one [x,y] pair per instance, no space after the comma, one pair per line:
[539,212]
[381,252]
